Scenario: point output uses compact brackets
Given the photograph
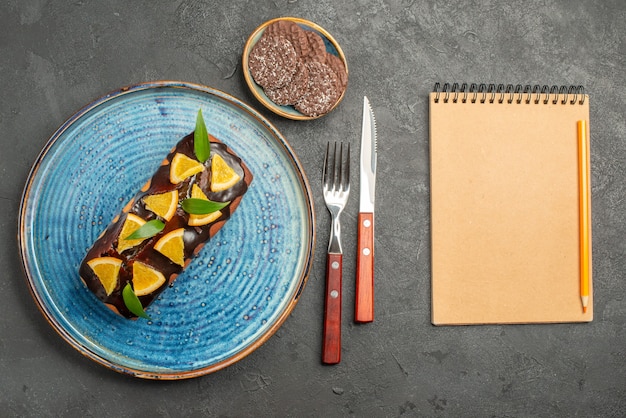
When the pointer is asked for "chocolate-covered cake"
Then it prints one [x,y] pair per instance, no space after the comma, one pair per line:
[161,229]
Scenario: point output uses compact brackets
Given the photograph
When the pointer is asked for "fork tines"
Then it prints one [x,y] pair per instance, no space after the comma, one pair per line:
[336,174]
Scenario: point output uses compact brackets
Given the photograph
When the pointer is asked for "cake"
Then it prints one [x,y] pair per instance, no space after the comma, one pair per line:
[193,193]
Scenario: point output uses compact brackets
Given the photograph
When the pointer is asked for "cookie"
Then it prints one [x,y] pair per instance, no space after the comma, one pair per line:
[272,61]
[294,33]
[280,27]
[323,90]
[291,92]
[317,51]
[335,64]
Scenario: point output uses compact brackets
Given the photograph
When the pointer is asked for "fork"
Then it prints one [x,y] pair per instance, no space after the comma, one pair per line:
[336,186]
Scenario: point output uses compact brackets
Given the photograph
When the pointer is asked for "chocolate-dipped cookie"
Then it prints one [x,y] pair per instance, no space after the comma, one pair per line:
[272,61]
[322,92]
[291,92]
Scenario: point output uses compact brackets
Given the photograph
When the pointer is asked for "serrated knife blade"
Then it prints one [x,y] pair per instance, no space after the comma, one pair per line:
[364,298]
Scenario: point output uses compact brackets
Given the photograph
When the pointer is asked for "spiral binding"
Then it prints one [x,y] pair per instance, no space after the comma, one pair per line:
[489,92]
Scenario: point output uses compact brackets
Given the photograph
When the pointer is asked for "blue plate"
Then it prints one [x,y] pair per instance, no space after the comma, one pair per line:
[233,296]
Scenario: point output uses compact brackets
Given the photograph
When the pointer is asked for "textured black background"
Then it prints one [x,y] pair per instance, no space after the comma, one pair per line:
[57,56]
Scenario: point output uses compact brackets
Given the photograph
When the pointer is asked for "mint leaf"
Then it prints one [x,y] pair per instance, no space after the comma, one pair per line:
[201,206]
[201,144]
[147,230]
[132,302]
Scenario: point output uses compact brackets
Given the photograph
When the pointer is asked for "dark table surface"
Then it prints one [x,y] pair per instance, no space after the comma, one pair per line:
[56,57]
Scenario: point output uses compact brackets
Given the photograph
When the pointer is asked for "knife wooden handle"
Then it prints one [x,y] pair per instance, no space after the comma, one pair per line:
[331,349]
[364,299]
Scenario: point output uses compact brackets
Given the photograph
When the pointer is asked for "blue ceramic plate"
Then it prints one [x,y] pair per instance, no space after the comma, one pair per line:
[233,296]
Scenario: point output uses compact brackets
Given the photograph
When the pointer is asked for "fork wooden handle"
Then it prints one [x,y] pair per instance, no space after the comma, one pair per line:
[364,298]
[331,349]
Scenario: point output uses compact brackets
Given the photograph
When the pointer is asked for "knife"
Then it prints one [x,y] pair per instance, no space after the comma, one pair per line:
[364,299]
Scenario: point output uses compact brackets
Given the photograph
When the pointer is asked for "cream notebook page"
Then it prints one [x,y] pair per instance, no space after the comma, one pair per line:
[505,209]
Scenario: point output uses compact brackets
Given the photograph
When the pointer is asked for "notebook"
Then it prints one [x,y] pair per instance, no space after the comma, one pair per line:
[506,204]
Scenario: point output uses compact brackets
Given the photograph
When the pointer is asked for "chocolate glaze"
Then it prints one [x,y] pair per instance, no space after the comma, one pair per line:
[194,237]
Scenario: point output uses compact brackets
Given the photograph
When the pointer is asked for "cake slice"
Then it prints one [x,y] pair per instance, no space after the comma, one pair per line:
[165,224]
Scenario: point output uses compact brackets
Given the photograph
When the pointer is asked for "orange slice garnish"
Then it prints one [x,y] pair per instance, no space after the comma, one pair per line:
[162,204]
[146,279]
[107,269]
[131,224]
[172,246]
[222,175]
[183,167]
[199,220]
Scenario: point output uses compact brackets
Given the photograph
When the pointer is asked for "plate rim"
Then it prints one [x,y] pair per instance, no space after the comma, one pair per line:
[25,259]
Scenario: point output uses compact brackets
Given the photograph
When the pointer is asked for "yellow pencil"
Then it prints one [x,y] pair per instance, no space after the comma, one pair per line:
[584,211]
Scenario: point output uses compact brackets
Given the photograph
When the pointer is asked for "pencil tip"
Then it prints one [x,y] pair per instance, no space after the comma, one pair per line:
[584,309]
